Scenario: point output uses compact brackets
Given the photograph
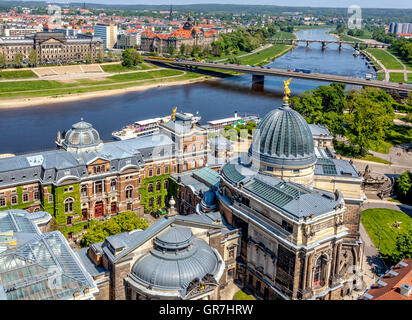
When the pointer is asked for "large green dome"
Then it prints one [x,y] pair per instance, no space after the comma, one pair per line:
[283,138]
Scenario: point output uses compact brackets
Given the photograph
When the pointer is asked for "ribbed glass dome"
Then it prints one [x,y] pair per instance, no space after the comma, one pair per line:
[283,138]
[82,134]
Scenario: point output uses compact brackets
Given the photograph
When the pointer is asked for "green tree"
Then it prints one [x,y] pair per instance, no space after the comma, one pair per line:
[3,60]
[404,186]
[129,221]
[171,50]
[33,58]
[95,233]
[112,227]
[182,49]
[100,56]
[367,123]
[131,57]
[18,59]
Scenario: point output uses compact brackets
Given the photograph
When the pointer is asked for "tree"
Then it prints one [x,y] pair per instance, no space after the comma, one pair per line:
[404,186]
[171,50]
[403,249]
[182,49]
[131,57]
[3,60]
[18,59]
[367,123]
[100,56]
[95,233]
[33,58]
[129,221]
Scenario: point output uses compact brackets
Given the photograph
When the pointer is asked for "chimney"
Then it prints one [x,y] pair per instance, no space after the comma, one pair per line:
[405,290]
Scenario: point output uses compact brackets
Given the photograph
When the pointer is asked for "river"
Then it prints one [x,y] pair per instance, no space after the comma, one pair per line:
[34,128]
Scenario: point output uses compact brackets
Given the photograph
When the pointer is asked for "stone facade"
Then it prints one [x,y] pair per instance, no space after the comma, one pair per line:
[52,47]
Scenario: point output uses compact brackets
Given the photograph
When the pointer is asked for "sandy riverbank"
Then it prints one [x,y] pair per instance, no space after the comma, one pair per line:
[28,102]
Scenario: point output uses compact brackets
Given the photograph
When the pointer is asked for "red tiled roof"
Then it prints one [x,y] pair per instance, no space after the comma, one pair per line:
[393,283]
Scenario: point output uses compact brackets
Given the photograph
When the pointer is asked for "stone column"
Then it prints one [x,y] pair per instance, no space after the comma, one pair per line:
[305,272]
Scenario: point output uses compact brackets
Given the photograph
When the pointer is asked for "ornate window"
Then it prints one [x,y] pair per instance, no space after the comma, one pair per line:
[166,169]
[185,149]
[84,191]
[14,199]
[151,202]
[150,187]
[158,185]
[129,192]
[68,205]
[36,195]
[113,185]
[166,186]
[2,202]
[193,164]
[159,201]
[25,197]
[158,171]
[150,172]
[318,273]
[193,148]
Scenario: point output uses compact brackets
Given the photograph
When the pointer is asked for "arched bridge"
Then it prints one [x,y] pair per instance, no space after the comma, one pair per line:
[326,42]
[259,73]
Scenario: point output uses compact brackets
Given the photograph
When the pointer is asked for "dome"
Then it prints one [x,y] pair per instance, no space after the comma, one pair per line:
[283,138]
[174,269]
[81,135]
[209,201]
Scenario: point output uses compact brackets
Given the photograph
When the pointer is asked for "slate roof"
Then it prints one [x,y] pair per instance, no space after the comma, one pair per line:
[293,199]
[335,167]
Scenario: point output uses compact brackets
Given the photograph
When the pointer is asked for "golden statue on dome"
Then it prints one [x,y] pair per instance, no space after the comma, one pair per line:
[286,89]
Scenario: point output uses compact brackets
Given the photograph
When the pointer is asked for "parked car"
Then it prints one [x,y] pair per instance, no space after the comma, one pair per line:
[155,215]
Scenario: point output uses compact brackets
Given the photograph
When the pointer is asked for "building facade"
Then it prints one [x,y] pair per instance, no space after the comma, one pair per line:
[52,47]
[108,33]
[188,35]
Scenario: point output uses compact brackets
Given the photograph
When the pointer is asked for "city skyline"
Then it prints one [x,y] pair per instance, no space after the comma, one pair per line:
[396,4]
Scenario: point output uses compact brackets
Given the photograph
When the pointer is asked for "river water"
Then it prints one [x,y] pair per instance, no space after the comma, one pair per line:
[34,128]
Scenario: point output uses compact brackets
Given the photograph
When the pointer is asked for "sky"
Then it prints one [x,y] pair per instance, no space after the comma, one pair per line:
[400,4]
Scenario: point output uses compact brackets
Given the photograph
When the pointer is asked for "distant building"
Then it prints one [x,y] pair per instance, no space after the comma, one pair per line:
[108,33]
[396,284]
[403,30]
[17,29]
[128,40]
[188,34]
[51,47]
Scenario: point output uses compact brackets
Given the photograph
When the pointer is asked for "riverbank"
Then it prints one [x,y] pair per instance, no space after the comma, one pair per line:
[73,97]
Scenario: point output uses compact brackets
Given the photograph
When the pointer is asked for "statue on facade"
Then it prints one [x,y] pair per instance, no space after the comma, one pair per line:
[286,89]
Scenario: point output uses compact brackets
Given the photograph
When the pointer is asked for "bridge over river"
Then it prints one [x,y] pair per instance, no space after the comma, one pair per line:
[258,74]
[325,42]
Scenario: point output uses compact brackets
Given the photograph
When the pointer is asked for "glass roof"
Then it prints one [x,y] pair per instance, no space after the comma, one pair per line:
[269,193]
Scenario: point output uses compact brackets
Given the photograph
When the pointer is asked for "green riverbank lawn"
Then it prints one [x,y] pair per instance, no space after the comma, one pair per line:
[374,219]
[408,64]
[265,56]
[42,88]
[17,74]
[113,68]
[396,77]
[387,60]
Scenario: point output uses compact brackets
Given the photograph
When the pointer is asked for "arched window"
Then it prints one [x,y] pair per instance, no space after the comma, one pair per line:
[166,186]
[129,192]
[158,171]
[150,187]
[84,191]
[193,164]
[193,147]
[158,185]
[185,149]
[68,205]
[317,276]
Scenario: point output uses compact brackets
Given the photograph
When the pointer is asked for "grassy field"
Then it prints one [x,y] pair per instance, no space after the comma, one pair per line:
[265,56]
[374,219]
[387,60]
[381,147]
[408,64]
[17,74]
[41,88]
[116,68]
[396,77]
[369,157]
[241,295]
[380,76]
[284,35]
